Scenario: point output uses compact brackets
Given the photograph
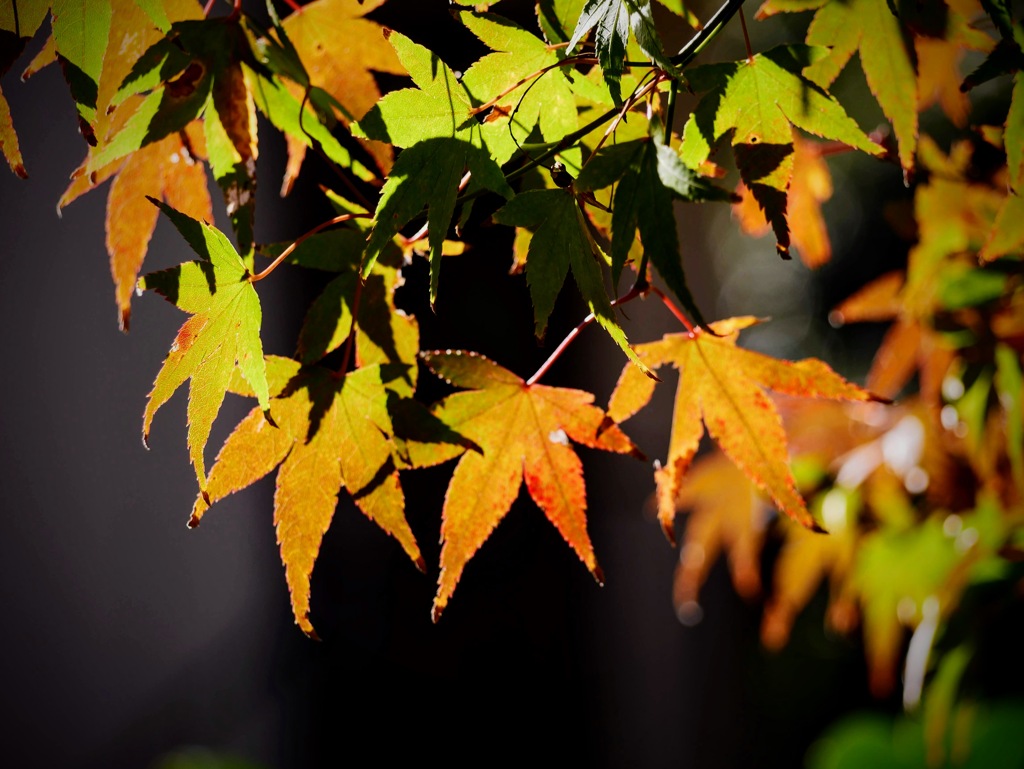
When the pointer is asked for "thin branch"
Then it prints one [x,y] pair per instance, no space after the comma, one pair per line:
[301,239]
[696,44]
[635,292]
[680,316]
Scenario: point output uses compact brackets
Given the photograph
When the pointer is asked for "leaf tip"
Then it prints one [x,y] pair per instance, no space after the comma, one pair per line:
[269,418]
[668,529]
[435,612]
[421,564]
[124,317]
[598,573]
[817,528]
[386,31]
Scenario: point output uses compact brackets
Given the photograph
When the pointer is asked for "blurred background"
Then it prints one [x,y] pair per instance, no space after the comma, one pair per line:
[128,637]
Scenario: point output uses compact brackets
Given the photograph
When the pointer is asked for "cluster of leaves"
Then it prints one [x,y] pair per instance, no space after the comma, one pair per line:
[572,145]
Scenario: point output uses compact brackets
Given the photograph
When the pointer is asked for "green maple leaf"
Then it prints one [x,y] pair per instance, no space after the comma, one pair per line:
[546,101]
[650,176]
[331,433]
[869,26]
[223,332]
[612,21]
[384,334]
[436,125]
[758,99]
[562,240]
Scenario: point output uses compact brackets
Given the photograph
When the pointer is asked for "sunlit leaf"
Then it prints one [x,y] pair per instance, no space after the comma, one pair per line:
[329,433]
[523,432]
[722,386]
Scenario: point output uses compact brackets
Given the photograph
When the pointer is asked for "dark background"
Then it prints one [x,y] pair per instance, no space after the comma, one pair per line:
[127,636]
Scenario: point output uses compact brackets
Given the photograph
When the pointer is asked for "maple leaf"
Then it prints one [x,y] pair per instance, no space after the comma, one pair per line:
[561,239]
[727,513]
[222,332]
[330,432]
[546,101]
[722,386]
[650,176]
[339,47]
[170,168]
[435,123]
[612,21]
[523,432]
[759,99]
[810,186]
[383,332]
[870,27]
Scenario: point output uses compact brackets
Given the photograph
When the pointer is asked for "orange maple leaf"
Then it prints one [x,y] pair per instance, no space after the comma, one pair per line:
[810,186]
[523,432]
[727,514]
[723,387]
[332,432]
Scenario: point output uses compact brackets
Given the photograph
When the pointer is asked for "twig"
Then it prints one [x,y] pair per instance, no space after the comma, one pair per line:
[301,239]
[633,293]
[696,43]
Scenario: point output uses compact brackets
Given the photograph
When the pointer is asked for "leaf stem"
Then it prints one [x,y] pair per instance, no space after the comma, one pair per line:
[680,315]
[746,38]
[293,5]
[636,291]
[670,110]
[301,239]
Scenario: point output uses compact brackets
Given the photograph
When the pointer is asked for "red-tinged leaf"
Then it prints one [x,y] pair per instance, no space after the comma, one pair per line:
[722,387]
[166,169]
[810,186]
[331,433]
[223,332]
[523,432]
[869,26]
[726,514]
